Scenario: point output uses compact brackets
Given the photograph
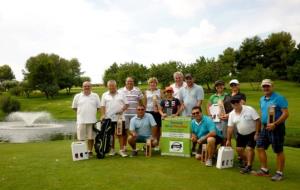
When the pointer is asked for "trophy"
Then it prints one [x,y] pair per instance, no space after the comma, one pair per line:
[119,126]
[271,114]
[148,148]
[221,107]
[204,153]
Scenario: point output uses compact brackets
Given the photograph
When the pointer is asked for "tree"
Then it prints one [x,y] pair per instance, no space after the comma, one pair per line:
[122,71]
[250,53]
[6,73]
[255,75]
[49,73]
[278,48]
[229,58]
[41,74]
[293,72]
[164,72]
[207,71]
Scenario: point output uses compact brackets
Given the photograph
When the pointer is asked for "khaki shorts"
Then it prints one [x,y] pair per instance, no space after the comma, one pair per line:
[85,131]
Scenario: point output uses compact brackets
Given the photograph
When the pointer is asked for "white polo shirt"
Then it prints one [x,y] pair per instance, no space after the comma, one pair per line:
[245,121]
[133,97]
[86,106]
[113,104]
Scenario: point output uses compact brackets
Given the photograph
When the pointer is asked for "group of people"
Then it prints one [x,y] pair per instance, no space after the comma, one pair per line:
[137,116]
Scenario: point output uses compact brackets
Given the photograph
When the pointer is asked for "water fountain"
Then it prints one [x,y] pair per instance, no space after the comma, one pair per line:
[22,127]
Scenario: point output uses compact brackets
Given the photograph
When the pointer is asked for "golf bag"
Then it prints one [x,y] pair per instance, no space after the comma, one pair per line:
[104,133]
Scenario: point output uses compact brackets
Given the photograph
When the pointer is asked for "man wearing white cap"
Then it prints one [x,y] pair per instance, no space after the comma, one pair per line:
[274,112]
[235,90]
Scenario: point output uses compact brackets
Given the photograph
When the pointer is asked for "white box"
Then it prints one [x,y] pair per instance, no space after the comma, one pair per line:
[79,151]
[225,157]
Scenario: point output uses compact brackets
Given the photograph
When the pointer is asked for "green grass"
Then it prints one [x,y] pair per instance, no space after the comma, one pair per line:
[48,165]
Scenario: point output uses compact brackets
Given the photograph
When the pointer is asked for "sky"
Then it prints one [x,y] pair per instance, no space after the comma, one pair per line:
[101,32]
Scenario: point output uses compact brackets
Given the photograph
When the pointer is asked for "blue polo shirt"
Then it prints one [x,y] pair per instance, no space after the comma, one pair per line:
[204,127]
[142,126]
[274,100]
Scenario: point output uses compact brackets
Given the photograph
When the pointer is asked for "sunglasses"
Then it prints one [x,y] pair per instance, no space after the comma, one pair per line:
[196,113]
[140,109]
[232,85]
[235,102]
[265,86]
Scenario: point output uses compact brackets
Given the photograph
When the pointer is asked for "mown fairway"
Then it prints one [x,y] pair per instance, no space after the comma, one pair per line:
[48,165]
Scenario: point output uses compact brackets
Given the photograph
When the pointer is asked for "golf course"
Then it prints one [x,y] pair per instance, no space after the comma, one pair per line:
[49,165]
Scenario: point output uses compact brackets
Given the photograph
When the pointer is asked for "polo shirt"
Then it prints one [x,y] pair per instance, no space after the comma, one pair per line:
[133,97]
[245,122]
[276,100]
[214,99]
[189,97]
[142,126]
[205,126]
[113,104]
[86,106]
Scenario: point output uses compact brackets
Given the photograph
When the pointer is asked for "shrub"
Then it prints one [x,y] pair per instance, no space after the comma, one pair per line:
[16,91]
[9,104]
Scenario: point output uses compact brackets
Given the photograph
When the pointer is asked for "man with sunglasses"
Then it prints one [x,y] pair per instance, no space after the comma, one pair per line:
[204,131]
[247,122]
[142,127]
[273,130]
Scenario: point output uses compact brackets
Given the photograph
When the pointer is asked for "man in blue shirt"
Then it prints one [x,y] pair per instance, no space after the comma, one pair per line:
[274,112]
[142,127]
[204,131]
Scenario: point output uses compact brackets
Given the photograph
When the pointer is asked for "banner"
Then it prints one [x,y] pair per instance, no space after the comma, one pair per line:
[175,137]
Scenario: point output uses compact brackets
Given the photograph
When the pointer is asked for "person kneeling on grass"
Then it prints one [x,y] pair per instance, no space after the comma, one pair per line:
[204,131]
[247,122]
[142,127]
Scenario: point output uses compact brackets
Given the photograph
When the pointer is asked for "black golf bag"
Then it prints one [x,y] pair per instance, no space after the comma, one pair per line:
[104,133]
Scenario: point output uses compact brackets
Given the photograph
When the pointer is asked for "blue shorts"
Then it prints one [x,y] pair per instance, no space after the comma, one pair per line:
[275,138]
[142,139]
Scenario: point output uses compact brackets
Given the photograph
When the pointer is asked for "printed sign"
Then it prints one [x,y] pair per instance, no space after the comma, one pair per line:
[176,134]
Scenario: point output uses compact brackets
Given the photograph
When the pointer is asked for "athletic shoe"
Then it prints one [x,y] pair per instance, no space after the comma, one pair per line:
[277,177]
[156,148]
[194,153]
[90,154]
[134,153]
[112,152]
[198,156]
[208,162]
[241,164]
[246,170]
[261,172]
[123,154]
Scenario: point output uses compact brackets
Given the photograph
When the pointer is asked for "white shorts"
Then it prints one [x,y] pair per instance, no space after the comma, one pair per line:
[85,131]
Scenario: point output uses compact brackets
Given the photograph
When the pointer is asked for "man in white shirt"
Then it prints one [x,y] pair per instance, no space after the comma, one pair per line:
[113,105]
[86,104]
[134,97]
[247,122]
[178,84]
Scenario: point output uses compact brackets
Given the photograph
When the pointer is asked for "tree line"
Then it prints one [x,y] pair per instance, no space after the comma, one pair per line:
[276,57]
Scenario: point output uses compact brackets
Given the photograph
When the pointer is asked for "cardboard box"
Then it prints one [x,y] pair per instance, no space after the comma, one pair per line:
[79,151]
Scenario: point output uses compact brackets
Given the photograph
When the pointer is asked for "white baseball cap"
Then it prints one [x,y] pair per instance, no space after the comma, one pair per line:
[234,81]
[267,82]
